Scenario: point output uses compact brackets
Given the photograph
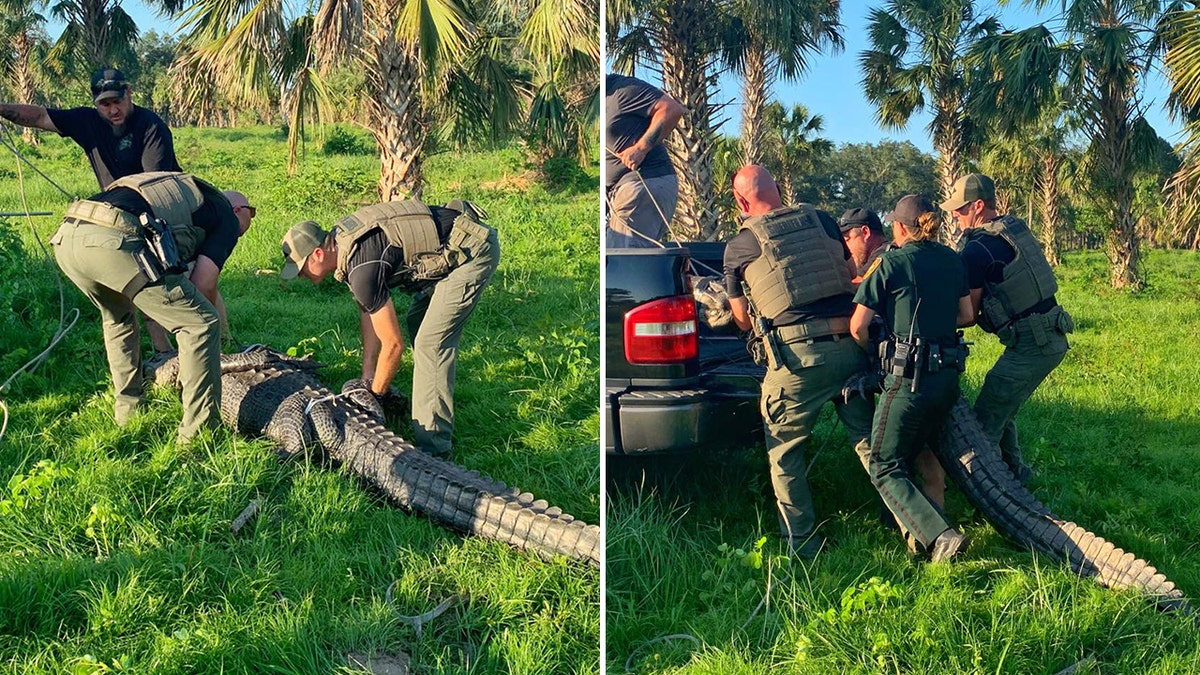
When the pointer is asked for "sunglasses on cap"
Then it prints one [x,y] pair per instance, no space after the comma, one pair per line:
[109,85]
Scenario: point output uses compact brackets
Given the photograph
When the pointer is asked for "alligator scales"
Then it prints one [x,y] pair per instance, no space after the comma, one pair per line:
[265,393]
[975,465]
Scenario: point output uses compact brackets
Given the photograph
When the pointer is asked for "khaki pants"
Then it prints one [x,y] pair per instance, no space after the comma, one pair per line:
[1033,347]
[792,397]
[99,261]
[639,211]
[436,319]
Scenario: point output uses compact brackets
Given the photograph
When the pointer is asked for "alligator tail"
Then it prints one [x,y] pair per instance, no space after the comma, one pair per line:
[975,464]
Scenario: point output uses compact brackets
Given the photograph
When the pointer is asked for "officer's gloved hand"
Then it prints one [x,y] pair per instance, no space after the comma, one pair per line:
[395,404]
[864,383]
[359,392]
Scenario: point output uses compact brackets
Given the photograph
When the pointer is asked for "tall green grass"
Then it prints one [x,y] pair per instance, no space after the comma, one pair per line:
[1114,438]
[115,548]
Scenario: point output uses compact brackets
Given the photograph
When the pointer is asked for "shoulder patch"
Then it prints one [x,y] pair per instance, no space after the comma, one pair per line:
[874,266]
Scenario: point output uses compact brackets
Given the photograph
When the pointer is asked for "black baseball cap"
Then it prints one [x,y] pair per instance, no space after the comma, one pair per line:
[107,83]
[909,208]
[858,217]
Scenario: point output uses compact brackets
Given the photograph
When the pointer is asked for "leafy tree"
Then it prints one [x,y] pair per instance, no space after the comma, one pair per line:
[1181,34]
[97,33]
[791,148]
[917,60]
[562,41]
[770,39]
[423,61]
[680,40]
[873,175]
[155,54]
[1109,47]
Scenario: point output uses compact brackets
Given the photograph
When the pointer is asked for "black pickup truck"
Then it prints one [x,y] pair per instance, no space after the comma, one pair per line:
[671,383]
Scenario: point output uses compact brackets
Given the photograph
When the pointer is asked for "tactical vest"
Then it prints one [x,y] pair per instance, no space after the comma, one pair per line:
[1028,279]
[800,263]
[173,197]
[408,223]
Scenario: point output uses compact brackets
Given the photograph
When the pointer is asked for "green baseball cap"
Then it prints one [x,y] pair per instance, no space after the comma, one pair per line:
[300,241]
[969,188]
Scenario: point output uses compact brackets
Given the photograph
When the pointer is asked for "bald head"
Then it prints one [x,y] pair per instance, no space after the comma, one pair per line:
[241,208]
[755,190]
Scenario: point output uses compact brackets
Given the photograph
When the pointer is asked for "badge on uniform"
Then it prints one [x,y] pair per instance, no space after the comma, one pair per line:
[874,266]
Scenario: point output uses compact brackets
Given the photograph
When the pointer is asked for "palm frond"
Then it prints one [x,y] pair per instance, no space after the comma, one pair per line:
[440,29]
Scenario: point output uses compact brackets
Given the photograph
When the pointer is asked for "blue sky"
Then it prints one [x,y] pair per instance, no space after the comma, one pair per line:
[831,88]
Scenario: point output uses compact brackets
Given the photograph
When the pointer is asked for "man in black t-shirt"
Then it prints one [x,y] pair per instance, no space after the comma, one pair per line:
[639,180]
[443,256]
[1013,296]
[797,270]
[120,138]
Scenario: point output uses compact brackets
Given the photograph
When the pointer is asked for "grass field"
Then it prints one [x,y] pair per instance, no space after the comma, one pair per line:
[115,548]
[1114,437]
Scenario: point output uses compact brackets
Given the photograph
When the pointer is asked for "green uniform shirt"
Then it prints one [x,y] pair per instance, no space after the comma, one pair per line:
[920,271]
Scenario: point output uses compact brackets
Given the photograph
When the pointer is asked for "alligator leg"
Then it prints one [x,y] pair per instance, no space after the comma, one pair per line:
[974,463]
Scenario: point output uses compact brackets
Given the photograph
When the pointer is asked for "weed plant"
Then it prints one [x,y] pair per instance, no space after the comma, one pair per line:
[1114,438]
[116,553]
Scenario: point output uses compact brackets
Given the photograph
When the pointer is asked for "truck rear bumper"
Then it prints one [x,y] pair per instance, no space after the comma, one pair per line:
[648,421]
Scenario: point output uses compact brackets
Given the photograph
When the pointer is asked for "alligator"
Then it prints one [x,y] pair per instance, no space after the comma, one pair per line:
[265,393]
[974,463]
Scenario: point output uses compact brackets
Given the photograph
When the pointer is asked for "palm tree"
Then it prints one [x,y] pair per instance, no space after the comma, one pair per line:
[1181,33]
[433,70]
[917,60]
[97,33]
[679,39]
[791,145]
[21,28]
[562,41]
[775,39]
[1109,48]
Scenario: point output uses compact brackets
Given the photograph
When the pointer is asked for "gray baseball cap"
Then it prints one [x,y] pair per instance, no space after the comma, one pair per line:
[299,242]
[969,188]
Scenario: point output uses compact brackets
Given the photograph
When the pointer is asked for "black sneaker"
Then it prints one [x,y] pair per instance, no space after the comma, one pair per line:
[948,546]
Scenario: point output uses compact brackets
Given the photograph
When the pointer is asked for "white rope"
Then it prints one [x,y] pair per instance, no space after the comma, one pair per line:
[63,324]
[661,215]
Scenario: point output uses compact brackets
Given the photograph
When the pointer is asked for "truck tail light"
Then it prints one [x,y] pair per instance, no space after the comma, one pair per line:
[662,331]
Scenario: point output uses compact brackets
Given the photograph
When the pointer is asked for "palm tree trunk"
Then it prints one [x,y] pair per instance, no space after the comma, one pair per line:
[23,79]
[755,87]
[1114,184]
[394,77]
[947,140]
[688,78]
[1048,206]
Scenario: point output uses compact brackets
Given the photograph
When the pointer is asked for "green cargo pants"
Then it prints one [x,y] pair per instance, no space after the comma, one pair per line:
[1034,346]
[436,319]
[812,374]
[904,423]
[99,261]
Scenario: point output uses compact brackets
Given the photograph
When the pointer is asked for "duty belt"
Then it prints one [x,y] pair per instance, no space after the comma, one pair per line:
[815,330]
[908,359]
[104,215]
